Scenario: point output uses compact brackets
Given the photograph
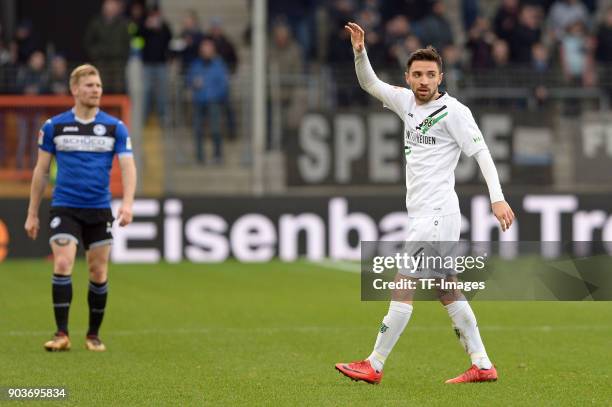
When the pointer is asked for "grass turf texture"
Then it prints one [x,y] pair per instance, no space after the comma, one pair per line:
[270,334]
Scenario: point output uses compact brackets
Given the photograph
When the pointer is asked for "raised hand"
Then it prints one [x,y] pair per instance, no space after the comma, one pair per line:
[357,36]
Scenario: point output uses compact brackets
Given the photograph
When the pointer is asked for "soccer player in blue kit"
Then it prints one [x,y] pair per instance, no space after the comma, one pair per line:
[84,141]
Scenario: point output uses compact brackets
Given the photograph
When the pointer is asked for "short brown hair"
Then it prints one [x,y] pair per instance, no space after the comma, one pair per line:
[425,54]
[82,71]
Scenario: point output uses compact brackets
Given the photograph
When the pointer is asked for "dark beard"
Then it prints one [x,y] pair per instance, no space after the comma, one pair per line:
[429,98]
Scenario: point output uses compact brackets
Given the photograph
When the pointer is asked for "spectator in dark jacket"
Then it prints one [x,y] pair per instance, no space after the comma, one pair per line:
[155,54]
[603,51]
[525,35]
[31,80]
[435,28]
[25,42]
[191,36]
[299,16]
[480,44]
[107,42]
[8,71]
[225,48]
[370,20]
[340,59]
[136,22]
[227,52]
[58,77]
[208,79]
[506,19]
[396,31]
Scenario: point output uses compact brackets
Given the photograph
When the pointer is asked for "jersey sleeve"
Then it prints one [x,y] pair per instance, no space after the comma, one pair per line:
[123,143]
[487,167]
[45,137]
[463,128]
[393,97]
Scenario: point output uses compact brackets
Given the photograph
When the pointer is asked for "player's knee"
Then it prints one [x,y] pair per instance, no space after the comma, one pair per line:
[63,265]
[97,271]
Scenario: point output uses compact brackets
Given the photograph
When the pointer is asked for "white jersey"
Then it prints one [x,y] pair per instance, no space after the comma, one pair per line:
[435,133]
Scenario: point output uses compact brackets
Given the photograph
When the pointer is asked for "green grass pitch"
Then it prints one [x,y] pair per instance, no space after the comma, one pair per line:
[269,334]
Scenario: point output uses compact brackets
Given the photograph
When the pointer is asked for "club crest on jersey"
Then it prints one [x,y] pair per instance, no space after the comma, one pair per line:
[431,120]
[55,222]
[99,129]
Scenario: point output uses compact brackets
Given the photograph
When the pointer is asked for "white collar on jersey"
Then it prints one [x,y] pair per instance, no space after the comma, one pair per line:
[83,121]
[439,101]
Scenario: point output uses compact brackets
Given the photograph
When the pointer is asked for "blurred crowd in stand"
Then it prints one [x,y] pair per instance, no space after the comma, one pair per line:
[136,51]
[520,44]
[531,43]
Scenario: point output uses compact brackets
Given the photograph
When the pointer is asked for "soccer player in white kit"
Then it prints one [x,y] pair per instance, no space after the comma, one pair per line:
[437,128]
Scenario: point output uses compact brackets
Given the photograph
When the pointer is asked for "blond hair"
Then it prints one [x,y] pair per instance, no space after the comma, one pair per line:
[82,71]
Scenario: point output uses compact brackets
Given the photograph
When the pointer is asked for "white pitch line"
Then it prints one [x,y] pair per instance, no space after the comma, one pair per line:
[321,329]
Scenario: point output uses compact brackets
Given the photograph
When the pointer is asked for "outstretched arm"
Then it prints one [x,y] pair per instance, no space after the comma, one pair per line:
[500,207]
[388,94]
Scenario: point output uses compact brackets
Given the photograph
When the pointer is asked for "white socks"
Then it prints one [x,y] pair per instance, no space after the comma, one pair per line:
[466,328]
[390,330]
[464,323]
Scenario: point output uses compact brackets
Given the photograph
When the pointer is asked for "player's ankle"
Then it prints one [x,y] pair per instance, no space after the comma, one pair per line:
[483,363]
[376,363]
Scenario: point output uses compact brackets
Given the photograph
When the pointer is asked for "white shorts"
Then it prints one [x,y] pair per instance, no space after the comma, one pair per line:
[435,229]
[431,237]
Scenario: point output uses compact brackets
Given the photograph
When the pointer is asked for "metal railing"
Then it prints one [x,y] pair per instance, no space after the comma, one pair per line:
[325,88]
